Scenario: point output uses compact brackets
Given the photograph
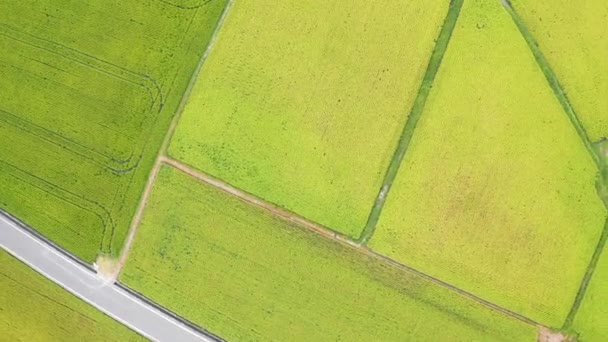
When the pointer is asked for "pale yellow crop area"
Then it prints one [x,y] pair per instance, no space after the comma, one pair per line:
[496,193]
[302,105]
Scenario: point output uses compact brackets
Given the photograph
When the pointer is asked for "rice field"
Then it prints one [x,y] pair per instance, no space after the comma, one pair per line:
[574,38]
[32,308]
[302,105]
[247,276]
[88,89]
[496,194]
[412,192]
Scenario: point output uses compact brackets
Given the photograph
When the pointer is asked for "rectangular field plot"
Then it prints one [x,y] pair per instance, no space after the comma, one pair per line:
[590,321]
[87,93]
[32,308]
[302,105]
[573,36]
[496,193]
[247,276]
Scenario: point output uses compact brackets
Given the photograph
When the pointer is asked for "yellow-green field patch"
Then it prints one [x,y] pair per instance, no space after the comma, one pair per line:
[573,36]
[303,104]
[496,193]
[32,308]
[247,276]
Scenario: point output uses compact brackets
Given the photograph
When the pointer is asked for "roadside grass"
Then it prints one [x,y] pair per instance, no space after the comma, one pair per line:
[245,275]
[307,116]
[496,193]
[574,39]
[32,308]
[88,90]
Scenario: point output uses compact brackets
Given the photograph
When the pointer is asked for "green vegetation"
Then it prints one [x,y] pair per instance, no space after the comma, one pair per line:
[574,38]
[303,105]
[245,275]
[88,89]
[34,309]
[496,194]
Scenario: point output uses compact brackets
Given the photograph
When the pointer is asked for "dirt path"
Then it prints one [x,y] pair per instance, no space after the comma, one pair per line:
[246,197]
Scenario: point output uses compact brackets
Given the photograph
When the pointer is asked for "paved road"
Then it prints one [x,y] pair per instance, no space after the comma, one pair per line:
[84,283]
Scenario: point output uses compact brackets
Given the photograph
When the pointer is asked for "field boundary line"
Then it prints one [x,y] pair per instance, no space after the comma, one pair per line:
[124,254]
[553,81]
[415,113]
[301,222]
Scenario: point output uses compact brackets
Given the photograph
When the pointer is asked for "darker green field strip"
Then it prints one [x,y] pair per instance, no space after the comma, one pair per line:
[553,81]
[410,126]
[588,276]
[85,121]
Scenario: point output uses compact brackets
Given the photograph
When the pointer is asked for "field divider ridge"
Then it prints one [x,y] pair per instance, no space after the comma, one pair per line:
[301,222]
[163,149]
[415,113]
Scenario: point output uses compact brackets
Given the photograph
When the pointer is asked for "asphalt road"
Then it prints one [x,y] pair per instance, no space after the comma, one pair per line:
[84,283]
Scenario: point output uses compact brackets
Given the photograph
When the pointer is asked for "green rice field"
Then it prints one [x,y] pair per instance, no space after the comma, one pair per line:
[88,89]
[248,276]
[32,308]
[496,194]
[307,116]
[574,38]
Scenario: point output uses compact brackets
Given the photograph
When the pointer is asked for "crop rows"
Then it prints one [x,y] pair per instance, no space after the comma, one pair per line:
[85,114]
